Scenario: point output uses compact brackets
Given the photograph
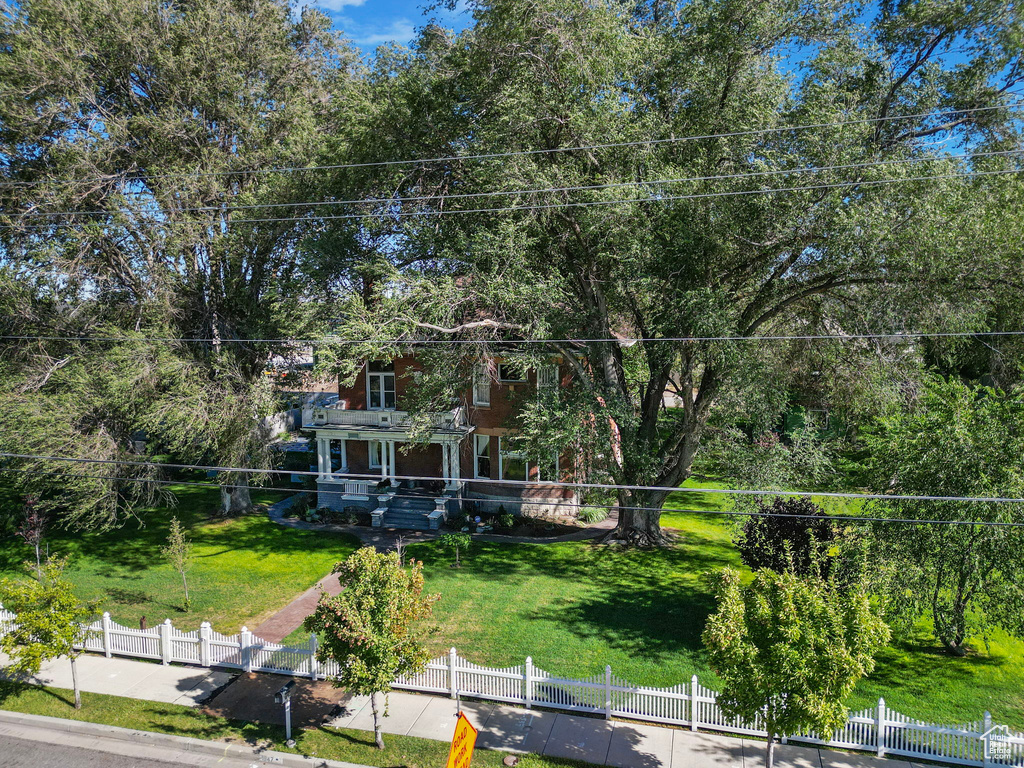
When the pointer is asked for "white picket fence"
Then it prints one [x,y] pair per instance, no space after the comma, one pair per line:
[877,729]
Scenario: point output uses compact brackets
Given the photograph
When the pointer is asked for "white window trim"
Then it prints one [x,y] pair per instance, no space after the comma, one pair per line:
[552,378]
[512,455]
[481,376]
[525,374]
[372,448]
[383,400]
[529,464]
[477,455]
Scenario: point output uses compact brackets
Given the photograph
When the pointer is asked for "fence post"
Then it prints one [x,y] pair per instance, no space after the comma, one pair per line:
[165,642]
[608,692]
[986,726]
[528,682]
[314,665]
[452,687]
[245,646]
[106,634]
[694,687]
[880,728]
[204,643]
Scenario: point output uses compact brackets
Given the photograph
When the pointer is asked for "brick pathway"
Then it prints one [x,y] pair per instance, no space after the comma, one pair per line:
[288,619]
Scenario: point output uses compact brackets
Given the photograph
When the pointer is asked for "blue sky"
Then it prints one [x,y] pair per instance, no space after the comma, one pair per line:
[370,23]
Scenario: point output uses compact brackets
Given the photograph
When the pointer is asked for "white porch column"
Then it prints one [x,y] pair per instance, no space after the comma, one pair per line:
[344,456]
[445,463]
[392,459]
[456,464]
[323,457]
[384,453]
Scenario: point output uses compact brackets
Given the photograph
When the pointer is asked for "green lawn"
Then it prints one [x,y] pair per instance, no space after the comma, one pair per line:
[575,607]
[244,568]
[327,743]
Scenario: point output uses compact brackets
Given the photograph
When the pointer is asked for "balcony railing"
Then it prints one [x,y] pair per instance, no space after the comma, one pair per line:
[334,415]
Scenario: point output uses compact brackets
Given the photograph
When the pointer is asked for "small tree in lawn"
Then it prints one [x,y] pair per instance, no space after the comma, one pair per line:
[791,649]
[371,629]
[455,541]
[50,621]
[178,552]
[787,534]
[33,527]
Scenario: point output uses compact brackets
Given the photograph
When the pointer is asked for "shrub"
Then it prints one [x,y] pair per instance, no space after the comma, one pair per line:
[787,534]
[506,520]
[591,515]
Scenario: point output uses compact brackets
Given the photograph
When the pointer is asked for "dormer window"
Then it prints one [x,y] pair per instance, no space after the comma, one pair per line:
[380,386]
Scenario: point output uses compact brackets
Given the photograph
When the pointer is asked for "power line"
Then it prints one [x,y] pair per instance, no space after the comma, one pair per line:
[540,190]
[580,204]
[569,505]
[522,483]
[897,335]
[532,152]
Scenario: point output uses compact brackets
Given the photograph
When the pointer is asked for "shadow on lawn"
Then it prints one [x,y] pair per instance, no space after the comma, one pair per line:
[125,552]
[649,603]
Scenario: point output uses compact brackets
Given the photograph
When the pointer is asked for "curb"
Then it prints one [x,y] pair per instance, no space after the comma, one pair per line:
[184,743]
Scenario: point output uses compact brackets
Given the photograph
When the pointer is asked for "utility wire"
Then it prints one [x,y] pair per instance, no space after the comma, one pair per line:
[522,483]
[540,190]
[578,204]
[531,152]
[569,505]
[618,340]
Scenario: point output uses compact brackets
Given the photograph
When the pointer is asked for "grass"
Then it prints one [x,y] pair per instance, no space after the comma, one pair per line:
[244,569]
[575,607]
[326,743]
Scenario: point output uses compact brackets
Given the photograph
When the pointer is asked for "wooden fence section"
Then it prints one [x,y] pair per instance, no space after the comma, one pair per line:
[877,729]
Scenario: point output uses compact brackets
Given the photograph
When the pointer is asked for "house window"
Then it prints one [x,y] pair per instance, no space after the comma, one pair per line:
[481,385]
[376,451]
[547,376]
[380,386]
[514,465]
[511,372]
[482,445]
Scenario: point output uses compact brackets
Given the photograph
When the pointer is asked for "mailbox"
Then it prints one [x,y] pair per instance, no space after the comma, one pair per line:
[285,693]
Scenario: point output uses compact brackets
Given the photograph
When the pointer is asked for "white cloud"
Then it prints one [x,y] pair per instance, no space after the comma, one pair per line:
[372,35]
[336,5]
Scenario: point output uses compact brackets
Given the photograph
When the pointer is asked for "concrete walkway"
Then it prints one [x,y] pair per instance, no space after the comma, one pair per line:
[504,728]
[133,679]
[593,740]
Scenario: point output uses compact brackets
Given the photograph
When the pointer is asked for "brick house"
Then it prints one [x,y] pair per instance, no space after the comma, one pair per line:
[366,432]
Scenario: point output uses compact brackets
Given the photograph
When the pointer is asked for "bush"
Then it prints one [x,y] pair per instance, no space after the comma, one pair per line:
[506,521]
[787,535]
[591,515]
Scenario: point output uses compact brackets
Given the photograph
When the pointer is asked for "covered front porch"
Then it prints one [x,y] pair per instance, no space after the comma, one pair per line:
[412,488]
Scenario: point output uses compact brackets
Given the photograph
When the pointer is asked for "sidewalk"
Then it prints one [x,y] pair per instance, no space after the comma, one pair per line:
[602,742]
[509,729]
[133,679]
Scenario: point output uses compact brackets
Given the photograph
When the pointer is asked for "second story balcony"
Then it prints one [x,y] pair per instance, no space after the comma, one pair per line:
[336,414]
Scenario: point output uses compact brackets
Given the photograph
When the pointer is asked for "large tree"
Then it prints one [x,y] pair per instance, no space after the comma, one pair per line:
[954,440]
[572,86]
[140,197]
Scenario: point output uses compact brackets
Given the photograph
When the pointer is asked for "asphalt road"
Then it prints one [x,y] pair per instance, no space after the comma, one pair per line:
[23,753]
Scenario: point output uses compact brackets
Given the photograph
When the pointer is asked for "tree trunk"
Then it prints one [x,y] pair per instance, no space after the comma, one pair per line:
[377,734]
[235,499]
[640,519]
[769,757]
[74,682]
[184,583]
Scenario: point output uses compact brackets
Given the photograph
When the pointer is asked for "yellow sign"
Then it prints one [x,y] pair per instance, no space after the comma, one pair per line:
[462,744]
